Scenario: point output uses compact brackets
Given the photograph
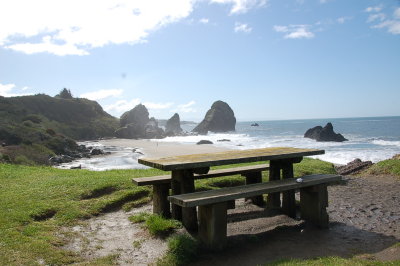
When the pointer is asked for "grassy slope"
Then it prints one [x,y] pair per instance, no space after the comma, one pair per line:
[386,167]
[36,203]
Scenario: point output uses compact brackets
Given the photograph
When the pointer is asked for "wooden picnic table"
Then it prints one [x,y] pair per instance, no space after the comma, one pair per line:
[184,167]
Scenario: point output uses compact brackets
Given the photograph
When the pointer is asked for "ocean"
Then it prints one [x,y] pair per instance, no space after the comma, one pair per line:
[369,139]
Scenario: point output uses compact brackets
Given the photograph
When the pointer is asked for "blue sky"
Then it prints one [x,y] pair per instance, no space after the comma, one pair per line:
[268,59]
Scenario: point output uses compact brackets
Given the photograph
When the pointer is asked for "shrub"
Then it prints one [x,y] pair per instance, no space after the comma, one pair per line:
[51,132]
[33,118]
[21,159]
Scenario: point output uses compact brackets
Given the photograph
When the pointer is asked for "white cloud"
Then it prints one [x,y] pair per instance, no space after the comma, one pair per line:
[342,20]
[295,31]
[373,9]
[242,6]
[242,27]
[396,13]
[393,26]
[204,21]
[73,27]
[101,94]
[378,16]
[6,90]
[185,108]
[122,106]
[157,106]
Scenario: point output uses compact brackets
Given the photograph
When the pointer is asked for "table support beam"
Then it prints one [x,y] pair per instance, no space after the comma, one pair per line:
[185,179]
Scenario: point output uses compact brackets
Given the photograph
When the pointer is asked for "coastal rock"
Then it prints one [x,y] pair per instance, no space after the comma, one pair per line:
[220,118]
[255,125]
[173,126]
[353,167]
[96,152]
[136,124]
[201,142]
[224,140]
[152,131]
[324,134]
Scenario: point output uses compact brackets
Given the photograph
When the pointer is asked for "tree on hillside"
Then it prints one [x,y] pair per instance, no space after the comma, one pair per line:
[64,94]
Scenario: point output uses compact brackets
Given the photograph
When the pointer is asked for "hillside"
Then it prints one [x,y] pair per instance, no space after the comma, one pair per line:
[51,122]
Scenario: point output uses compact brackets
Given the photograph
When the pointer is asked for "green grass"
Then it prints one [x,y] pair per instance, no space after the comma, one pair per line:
[330,261]
[182,249]
[156,224]
[36,203]
[388,167]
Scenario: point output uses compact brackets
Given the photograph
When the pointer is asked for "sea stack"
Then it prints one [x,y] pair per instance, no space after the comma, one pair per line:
[324,134]
[136,124]
[220,118]
[173,126]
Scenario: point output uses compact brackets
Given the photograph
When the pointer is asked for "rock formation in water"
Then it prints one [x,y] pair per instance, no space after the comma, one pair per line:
[220,118]
[324,134]
[173,126]
[136,124]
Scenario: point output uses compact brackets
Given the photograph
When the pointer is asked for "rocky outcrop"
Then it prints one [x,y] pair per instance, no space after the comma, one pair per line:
[353,167]
[201,142]
[324,134]
[136,124]
[255,125]
[173,126]
[220,118]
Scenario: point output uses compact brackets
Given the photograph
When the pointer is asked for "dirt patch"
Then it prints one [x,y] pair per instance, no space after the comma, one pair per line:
[114,234]
[364,215]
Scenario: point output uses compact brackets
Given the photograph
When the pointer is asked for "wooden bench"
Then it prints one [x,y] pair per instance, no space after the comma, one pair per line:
[213,204]
[162,184]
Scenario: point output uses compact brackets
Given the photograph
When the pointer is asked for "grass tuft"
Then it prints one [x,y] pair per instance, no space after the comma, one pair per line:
[182,249]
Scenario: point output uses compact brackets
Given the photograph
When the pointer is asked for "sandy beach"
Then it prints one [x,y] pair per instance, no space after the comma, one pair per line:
[154,148]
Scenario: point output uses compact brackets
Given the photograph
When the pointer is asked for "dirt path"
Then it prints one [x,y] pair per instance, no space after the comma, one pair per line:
[364,215]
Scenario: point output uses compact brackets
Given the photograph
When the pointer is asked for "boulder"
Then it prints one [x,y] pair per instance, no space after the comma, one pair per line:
[353,167]
[220,118]
[201,142]
[136,124]
[152,131]
[173,126]
[324,134]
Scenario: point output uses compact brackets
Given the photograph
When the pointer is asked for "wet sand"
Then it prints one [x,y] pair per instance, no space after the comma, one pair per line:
[155,148]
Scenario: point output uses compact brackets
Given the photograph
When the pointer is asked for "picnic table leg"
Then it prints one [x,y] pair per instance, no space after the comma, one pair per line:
[176,190]
[252,178]
[160,202]
[313,203]
[186,181]
[288,197]
[274,199]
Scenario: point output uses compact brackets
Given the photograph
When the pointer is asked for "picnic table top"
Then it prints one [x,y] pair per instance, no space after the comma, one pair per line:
[194,161]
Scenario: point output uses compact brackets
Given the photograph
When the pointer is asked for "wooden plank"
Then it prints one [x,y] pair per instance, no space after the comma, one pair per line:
[274,199]
[227,157]
[313,203]
[165,179]
[160,203]
[186,181]
[254,178]
[213,225]
[288,197]
[225,194]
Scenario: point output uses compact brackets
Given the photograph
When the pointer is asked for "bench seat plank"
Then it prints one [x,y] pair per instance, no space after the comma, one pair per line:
[163,179]
[232,193]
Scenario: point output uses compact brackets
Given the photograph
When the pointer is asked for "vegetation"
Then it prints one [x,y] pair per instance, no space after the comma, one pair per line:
[37,203]
[182,249]
[51,123]
[386,167]
[156,224]
[329,261]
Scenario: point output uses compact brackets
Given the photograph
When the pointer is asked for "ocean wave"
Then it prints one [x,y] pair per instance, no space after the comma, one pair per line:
[386,142]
